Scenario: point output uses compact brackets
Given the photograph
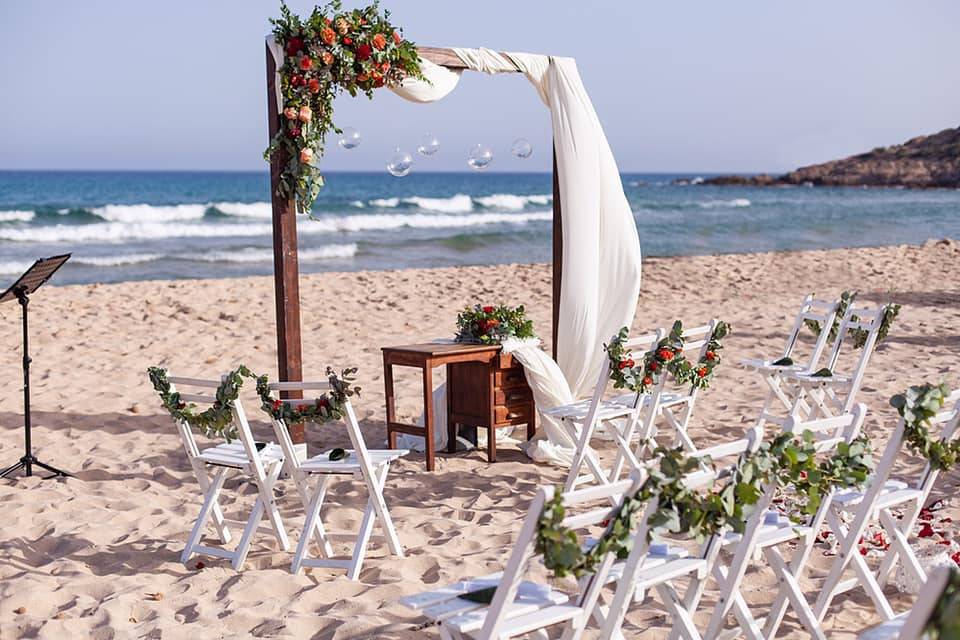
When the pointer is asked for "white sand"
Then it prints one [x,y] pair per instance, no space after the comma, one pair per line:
[80,557]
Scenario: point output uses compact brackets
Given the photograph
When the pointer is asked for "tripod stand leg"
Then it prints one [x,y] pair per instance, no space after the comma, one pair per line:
[12,468]
[51,469]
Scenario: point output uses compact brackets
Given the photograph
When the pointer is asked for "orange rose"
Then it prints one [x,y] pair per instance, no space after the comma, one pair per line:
[305,115]
[385,66]
[306,155]
[379,42]
[327,58]
[314,85]
[328,35]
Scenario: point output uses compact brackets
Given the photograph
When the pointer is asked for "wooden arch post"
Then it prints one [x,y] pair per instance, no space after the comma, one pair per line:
[286,270]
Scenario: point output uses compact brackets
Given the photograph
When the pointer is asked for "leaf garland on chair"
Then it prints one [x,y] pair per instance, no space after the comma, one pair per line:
[328,407]
[788,460]
[918,405]
[666,357]
[890,313]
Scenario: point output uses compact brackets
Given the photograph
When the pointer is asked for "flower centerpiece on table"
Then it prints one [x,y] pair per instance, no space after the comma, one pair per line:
[493,324]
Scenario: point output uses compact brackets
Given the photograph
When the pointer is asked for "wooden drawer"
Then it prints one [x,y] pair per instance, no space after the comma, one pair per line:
[512,397]
[509,378]
[520,414]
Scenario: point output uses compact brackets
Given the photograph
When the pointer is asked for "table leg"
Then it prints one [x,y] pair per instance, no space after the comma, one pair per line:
[492,444]
[391,403]
[428,414]
[532,425]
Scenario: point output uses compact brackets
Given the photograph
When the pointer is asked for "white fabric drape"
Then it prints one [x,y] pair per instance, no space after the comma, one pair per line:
[601,250]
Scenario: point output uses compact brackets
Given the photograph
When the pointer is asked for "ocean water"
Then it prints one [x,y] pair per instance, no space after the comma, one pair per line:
[147,225]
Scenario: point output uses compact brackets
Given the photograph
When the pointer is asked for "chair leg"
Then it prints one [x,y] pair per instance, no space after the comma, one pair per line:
[270,505]
[310,525]
[240,555]
[386,521]
[363,538]
[209,502]
[790,586]
[218,520]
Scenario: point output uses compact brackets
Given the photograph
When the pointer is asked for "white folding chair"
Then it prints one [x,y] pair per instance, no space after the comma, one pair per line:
[581,419]
[876,504]
[520,607]
[766,532]
[818,395]
[910,625]
[655,567]
[371,466]
[822,312]
[258,462]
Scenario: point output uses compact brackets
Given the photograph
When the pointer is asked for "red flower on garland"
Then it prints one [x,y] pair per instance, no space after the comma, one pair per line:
[293,46]
[295,132]
[626,363]
[314,85]
[328,35]
[654,365]
[647,380]
[296,80]
[277,404]
[488,309]
[302,407]
[364,52]
[379,42]
[665,354]
[306,63]
[702,372]
[396,38]
[710,355]
[347,40]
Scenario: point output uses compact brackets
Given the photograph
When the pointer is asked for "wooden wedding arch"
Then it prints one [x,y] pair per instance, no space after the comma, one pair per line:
[286,271]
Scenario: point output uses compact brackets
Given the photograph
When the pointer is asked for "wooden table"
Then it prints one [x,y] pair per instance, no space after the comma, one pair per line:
[485,389]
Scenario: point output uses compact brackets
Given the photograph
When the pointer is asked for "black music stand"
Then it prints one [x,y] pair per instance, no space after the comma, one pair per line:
[20,291]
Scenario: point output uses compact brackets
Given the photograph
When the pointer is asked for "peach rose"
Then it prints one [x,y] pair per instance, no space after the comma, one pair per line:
[306,155]
[306,115]
[327,58]
[328,35]
[379,42]
[290,113]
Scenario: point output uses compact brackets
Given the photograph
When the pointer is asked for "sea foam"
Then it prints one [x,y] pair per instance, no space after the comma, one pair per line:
[16,216]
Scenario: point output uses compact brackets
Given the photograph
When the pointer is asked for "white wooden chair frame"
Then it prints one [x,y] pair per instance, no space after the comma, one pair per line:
[822,311]
[828,396]
[765,532]
[511,613]
[875,505]
[369,466]
[582,419]
[910,625]
[211,467]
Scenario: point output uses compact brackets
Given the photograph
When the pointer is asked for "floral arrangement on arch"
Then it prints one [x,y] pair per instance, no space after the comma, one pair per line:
[666,357]
[329,52]
[491,324]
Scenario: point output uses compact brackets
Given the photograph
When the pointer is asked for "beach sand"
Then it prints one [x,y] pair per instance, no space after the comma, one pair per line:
[86,556]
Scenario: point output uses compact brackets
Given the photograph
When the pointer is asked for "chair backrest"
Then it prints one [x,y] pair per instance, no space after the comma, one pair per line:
[350,418]
[244,433]
[857,318]
[524,547]
[823,312]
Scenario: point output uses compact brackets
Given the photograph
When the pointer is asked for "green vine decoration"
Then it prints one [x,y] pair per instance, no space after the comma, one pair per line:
[788,460]
[917,405]
[327,53]
[216,420]
[666,357]
[329,407]
[890,313]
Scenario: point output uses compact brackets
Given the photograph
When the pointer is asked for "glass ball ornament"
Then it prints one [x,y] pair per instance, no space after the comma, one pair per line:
[400,164]
[521,148]
[480,157]
[429,145]
[349,138]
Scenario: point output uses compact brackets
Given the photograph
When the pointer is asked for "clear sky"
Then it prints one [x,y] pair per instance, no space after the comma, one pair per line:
[680,86]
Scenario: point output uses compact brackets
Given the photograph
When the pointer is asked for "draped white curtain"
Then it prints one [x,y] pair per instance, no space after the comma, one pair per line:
[601,249]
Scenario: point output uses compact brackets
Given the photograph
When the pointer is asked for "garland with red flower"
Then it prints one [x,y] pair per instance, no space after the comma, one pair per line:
[666,357]
[214,421]
[328,407]
[492,324]
[329,52]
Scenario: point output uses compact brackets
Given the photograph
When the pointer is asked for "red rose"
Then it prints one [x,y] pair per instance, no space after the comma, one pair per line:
[622,365]
[654,365]
[384,66]
[666,354]
[379,42]
[328,35]
[306,63]
[347,40]
[295,132]
[328,21]
[396,38]
[711,355]
[647,380]
[296,80]
[802,475]
[314,85]
[488,309]
[702,372]
[293,46]
[364,52]
[181,405]
[324,403]
[277,404]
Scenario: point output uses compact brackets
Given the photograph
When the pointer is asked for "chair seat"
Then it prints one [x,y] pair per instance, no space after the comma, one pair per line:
[350,464]
[233,455]
[894,492]
[612,408]
[809,380]
[776,529]
[767,366]
[661,564]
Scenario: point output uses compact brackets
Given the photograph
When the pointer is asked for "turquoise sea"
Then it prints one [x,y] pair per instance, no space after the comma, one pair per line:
[146,225]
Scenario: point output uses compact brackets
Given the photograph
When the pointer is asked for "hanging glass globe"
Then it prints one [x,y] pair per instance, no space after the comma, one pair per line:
[349,138]
[429,145]
[400,164]
[521,148]
[480,157]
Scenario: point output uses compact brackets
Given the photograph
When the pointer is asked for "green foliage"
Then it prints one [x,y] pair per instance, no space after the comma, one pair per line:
[890,313]
[787,460]
[216,420]
[327,408]
[666,357]
[492,324]
[326,53]
[917,405]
